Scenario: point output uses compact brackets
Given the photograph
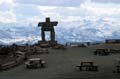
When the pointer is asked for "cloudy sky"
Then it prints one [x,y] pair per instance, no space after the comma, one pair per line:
[33,11]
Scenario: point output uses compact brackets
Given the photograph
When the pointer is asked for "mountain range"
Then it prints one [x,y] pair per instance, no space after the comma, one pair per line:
[75,31]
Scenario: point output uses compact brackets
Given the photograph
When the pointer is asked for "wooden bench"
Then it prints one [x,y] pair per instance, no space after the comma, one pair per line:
[102,52]
[87,66]
[8,65]
[114,51]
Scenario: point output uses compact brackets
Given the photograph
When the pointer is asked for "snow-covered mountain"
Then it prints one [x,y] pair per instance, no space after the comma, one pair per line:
[78,31]
[89,30]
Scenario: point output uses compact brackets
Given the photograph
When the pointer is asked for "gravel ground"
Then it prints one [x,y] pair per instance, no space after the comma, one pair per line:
[61,65]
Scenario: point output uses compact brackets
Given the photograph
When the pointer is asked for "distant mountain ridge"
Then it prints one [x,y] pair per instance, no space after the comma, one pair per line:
[85,30]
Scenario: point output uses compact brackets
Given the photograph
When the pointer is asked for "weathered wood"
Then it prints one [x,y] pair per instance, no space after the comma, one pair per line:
[87,66]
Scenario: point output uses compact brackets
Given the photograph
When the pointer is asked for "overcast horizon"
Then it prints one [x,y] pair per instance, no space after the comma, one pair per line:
[33,11]
[89,19]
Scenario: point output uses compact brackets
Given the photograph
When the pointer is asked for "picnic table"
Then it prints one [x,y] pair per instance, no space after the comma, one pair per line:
[35,63]
[87,66]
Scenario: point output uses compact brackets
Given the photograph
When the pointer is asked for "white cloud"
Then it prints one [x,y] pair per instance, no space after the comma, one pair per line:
[25,11]
[65,3]
[106,1]
[71,18]
[6,5]
[32,21]
[97,10]
[62,14]
[6,11]
[7,17]
[6,1]
[46,8]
